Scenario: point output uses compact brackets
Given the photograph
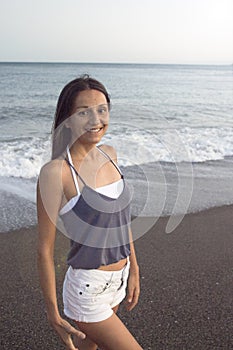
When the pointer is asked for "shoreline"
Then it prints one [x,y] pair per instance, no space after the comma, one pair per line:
[165,216]
[160,189]
[186,286]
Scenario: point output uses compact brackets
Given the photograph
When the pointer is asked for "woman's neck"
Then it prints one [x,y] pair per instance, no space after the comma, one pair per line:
[80,151]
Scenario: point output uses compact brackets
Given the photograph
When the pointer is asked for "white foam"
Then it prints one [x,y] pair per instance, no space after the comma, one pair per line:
[24,157]
[173,145]
[205,144]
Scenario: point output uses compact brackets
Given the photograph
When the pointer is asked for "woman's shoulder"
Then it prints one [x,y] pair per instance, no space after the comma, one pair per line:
[51,168]
[50,177]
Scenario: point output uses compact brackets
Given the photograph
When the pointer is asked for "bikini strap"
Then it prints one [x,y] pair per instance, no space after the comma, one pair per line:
[74,171]
[111,160]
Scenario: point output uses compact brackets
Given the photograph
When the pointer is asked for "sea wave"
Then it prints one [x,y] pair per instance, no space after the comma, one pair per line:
[23,157]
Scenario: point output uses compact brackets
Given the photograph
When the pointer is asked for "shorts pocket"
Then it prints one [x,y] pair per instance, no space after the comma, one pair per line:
[85,284]
[89,287]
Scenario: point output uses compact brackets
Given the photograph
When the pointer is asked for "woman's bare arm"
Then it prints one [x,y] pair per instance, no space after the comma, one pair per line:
[49,194]
[133,288]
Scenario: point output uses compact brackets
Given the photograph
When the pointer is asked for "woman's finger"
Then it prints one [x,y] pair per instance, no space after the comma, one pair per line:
[65,331]
[70,345]
[132,299]
[72,330]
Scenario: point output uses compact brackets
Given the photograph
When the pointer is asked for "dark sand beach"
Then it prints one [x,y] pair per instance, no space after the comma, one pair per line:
[186,286]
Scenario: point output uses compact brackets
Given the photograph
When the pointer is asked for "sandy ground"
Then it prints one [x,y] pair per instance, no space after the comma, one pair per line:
[186,297]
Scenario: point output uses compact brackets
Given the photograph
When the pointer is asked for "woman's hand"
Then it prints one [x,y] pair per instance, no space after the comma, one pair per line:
[133,289]
[65,332]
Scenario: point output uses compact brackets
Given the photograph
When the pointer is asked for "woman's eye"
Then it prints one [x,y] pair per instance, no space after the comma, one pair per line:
[88,112]
[102,110]
[83,113]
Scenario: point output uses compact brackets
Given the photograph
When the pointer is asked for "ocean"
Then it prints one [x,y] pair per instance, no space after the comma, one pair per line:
[172,127]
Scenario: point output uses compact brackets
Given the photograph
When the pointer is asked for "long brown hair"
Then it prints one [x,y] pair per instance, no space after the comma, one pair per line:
[62,135]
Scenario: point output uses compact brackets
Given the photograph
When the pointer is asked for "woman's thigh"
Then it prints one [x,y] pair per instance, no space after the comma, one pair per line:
[110,334]
[88,344]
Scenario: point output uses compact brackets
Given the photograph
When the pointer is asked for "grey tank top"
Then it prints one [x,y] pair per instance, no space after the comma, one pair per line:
[98,226]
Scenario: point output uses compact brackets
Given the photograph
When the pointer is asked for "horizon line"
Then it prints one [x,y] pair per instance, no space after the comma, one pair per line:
[115,63]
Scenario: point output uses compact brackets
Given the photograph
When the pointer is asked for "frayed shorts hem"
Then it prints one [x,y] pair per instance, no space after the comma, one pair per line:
[89,319]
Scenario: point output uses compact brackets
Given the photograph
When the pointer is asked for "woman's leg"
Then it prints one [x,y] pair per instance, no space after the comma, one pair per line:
[87,344]
[110,334]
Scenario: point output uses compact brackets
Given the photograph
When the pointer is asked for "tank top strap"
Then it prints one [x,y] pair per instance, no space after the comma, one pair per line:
[111,160]
[74,171]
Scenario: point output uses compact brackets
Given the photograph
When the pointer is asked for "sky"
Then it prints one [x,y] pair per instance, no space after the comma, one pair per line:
[118,31]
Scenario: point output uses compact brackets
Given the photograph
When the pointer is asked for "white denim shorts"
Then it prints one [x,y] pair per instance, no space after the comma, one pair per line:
[90,295]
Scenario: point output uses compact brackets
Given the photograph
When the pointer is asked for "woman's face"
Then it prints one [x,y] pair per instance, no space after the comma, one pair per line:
[90,117]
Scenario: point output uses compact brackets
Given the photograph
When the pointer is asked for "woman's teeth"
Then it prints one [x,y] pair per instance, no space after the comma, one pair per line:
[94,130]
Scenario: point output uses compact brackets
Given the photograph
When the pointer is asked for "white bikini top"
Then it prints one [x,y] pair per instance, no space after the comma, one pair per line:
[112,190]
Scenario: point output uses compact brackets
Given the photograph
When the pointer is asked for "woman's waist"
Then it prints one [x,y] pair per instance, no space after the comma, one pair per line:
[116,266]
[103,272]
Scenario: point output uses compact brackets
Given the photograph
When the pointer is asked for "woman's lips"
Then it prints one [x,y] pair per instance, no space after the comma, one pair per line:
[94,130]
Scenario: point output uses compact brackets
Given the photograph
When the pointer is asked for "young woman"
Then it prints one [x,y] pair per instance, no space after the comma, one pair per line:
[84,186]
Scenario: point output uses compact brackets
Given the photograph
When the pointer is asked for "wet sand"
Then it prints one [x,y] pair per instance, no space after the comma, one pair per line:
[186,297]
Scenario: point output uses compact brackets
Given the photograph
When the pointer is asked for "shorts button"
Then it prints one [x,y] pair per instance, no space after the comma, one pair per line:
[87,285]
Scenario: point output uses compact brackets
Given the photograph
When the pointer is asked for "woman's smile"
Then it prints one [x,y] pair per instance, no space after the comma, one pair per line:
[95,130]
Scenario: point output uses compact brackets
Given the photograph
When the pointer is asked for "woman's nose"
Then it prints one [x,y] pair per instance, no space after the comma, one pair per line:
[94,116]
